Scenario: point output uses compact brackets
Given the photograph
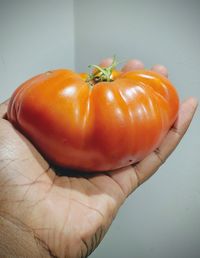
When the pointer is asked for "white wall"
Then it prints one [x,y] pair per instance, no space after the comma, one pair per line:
[35,36]
[161,219]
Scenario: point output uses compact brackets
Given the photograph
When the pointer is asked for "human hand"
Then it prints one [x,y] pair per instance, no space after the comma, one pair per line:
[70,215]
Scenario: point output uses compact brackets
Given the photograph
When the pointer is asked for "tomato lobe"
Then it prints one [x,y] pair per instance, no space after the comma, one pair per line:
[99,128]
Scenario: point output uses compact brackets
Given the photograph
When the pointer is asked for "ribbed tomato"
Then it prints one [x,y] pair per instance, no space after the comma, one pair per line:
[95,124]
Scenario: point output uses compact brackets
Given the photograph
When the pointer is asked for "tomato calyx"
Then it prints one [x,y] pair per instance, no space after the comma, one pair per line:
[101,74]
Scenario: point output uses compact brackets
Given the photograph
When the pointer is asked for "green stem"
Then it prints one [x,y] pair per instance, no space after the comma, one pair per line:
[102,74]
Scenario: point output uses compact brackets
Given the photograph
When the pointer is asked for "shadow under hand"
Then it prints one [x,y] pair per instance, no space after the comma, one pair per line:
[60,171]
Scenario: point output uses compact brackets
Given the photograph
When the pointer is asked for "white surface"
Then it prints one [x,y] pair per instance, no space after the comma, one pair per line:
[162,218]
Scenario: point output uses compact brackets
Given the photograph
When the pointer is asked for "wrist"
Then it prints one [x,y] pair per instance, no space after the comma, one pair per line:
[17,240]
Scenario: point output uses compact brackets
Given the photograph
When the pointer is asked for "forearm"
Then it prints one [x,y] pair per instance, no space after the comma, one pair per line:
[17,240]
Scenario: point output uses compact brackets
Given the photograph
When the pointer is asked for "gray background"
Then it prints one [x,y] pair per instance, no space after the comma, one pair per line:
[162,218]
[35,36]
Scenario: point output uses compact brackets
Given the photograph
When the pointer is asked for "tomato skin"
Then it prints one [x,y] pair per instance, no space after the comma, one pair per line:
[100,128]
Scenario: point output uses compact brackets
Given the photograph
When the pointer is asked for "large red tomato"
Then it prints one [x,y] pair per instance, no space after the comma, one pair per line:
[96,124]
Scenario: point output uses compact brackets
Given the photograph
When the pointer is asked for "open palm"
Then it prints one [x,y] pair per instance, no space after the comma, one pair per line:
[70,214]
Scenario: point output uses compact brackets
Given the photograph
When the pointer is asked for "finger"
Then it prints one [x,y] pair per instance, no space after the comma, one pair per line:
[3,108]
[133,64]
[153,161]
[106,62]
[161,69]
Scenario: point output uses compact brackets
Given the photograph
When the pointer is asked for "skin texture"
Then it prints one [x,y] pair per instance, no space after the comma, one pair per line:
[70,215]
[103,127]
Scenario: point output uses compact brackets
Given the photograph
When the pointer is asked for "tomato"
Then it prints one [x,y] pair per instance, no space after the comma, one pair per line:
[94,124]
